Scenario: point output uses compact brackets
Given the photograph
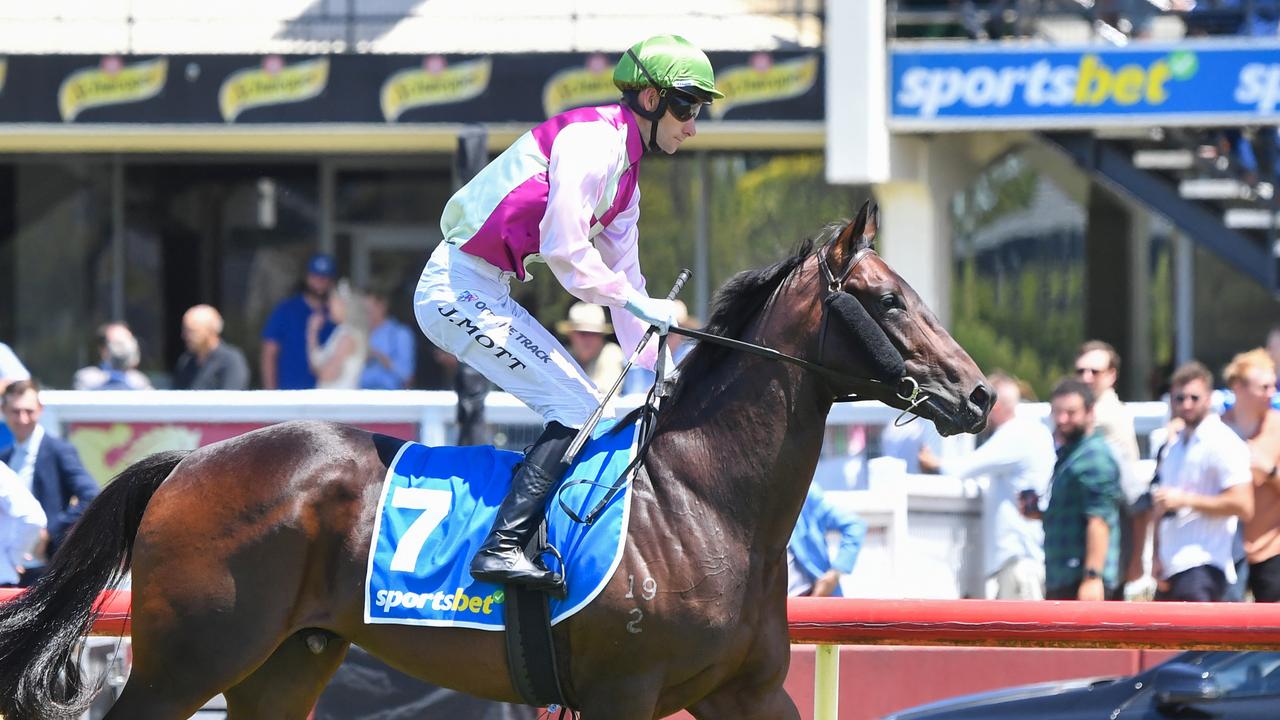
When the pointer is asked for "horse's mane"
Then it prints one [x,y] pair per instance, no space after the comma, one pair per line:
[737,303]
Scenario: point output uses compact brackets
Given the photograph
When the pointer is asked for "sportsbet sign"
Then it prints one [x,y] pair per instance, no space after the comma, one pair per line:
[1188,84]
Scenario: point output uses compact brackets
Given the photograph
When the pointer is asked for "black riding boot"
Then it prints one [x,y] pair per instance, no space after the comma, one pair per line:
[501,559]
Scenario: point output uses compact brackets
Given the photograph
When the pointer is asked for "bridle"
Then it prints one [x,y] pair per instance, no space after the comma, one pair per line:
[906,388]
[868,331]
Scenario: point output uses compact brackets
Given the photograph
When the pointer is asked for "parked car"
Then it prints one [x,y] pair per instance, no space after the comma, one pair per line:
[1199,684]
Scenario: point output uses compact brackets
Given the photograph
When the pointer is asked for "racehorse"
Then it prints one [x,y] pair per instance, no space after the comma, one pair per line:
[249,555]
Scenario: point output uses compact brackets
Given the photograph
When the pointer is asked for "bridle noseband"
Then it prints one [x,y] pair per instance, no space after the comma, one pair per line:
[868,331]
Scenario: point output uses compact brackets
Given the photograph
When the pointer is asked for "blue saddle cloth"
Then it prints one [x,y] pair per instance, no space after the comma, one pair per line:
[437,506]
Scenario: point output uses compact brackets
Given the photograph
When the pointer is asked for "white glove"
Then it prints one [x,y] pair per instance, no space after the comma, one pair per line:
[653,311]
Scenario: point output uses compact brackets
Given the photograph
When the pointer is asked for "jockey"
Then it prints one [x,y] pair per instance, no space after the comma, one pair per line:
[564,193]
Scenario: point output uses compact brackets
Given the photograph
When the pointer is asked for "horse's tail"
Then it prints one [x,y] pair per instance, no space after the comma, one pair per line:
[41,628]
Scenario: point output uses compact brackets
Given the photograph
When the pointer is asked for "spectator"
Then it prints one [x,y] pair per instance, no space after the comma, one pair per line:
[1017,459]
[810,569]
[22,527]
[1098,364]
[391,351]
[48,465]
[906,441]
[11,370]
[585,330]
[118,369]
[1224,398]
[209,362]
[1081,537]
[1205,485]
[338,362]
[1252,378]
[640,379]
[284,363]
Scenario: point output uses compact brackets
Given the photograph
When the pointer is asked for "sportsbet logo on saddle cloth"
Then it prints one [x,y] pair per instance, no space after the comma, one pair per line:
[436,509]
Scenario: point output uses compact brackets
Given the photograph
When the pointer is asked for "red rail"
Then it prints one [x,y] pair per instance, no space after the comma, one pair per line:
[114,620]
[983,623]
[1230,626]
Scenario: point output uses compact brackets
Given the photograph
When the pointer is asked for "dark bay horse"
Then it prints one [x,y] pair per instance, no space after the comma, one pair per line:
[248,556]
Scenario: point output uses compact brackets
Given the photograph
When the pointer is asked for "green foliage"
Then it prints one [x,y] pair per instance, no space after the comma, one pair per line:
[1016,307]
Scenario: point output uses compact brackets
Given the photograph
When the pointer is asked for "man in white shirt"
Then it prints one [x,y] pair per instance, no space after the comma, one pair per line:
[22,527]
[1017,458]
[1205,490]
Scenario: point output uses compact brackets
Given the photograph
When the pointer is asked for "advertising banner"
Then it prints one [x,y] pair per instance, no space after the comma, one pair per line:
[991,88]
[371,89]
[107,448]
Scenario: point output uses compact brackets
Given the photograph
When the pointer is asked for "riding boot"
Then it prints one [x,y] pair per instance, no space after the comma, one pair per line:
[501,559]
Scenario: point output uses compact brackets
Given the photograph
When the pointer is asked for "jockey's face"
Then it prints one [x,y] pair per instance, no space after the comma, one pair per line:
[672,131]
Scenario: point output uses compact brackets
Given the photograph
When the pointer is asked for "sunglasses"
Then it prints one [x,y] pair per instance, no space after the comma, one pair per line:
[683,107]
[1183,397]
[1090,371]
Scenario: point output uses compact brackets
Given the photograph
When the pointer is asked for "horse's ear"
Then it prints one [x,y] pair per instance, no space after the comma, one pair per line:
[871,228]
[853,237]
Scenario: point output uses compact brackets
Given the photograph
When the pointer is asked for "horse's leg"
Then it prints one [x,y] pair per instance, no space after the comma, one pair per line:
[147,698]
[287,685]
[189,644]
[737,703]
[635,699]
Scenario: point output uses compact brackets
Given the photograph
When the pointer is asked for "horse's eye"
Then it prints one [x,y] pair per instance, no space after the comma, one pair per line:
[891,302]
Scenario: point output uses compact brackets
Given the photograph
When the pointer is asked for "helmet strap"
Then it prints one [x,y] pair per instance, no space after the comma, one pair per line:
[632,98]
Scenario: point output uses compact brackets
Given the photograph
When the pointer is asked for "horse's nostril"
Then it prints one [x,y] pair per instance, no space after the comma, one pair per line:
[981,396]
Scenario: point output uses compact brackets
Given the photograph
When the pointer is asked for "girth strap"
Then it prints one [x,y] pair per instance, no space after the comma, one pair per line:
[531,648]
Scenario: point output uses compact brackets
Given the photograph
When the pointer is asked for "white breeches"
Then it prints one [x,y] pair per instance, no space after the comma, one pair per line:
[464,305]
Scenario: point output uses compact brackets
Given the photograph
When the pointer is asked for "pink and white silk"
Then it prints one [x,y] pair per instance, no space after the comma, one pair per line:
[564,193]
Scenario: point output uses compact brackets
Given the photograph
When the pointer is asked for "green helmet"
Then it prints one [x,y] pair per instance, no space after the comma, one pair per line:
[667,62]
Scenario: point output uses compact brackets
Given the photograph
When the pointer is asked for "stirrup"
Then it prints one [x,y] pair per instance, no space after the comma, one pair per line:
[551,582]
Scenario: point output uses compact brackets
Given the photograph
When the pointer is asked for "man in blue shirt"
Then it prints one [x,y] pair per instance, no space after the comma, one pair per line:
[11,370]
[284,363]
[810,569]
[391,350]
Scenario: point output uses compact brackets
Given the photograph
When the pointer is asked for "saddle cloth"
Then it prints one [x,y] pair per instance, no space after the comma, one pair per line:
[437,506]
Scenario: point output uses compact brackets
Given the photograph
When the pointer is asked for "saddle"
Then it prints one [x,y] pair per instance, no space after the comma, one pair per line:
[437,506]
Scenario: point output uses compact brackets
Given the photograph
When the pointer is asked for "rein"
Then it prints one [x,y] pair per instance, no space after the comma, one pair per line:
[912,394]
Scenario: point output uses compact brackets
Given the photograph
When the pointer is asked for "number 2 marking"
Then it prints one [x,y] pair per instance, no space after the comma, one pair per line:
[434,505]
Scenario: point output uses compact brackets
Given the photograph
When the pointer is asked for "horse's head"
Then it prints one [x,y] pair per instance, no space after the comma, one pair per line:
[875,326]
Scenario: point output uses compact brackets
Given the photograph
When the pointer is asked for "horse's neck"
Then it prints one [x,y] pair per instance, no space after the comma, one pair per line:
[747,444]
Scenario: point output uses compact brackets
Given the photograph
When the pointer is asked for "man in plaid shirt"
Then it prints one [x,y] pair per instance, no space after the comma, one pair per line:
[1081,533]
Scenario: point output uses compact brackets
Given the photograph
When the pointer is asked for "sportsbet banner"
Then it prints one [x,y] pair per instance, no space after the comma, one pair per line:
[1187,84]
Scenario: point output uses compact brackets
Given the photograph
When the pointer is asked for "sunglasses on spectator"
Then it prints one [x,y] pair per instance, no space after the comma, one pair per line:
[1090,371]
[683,107]
[1183,397]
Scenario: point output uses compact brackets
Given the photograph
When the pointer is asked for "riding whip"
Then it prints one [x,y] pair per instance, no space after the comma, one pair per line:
[590,425]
